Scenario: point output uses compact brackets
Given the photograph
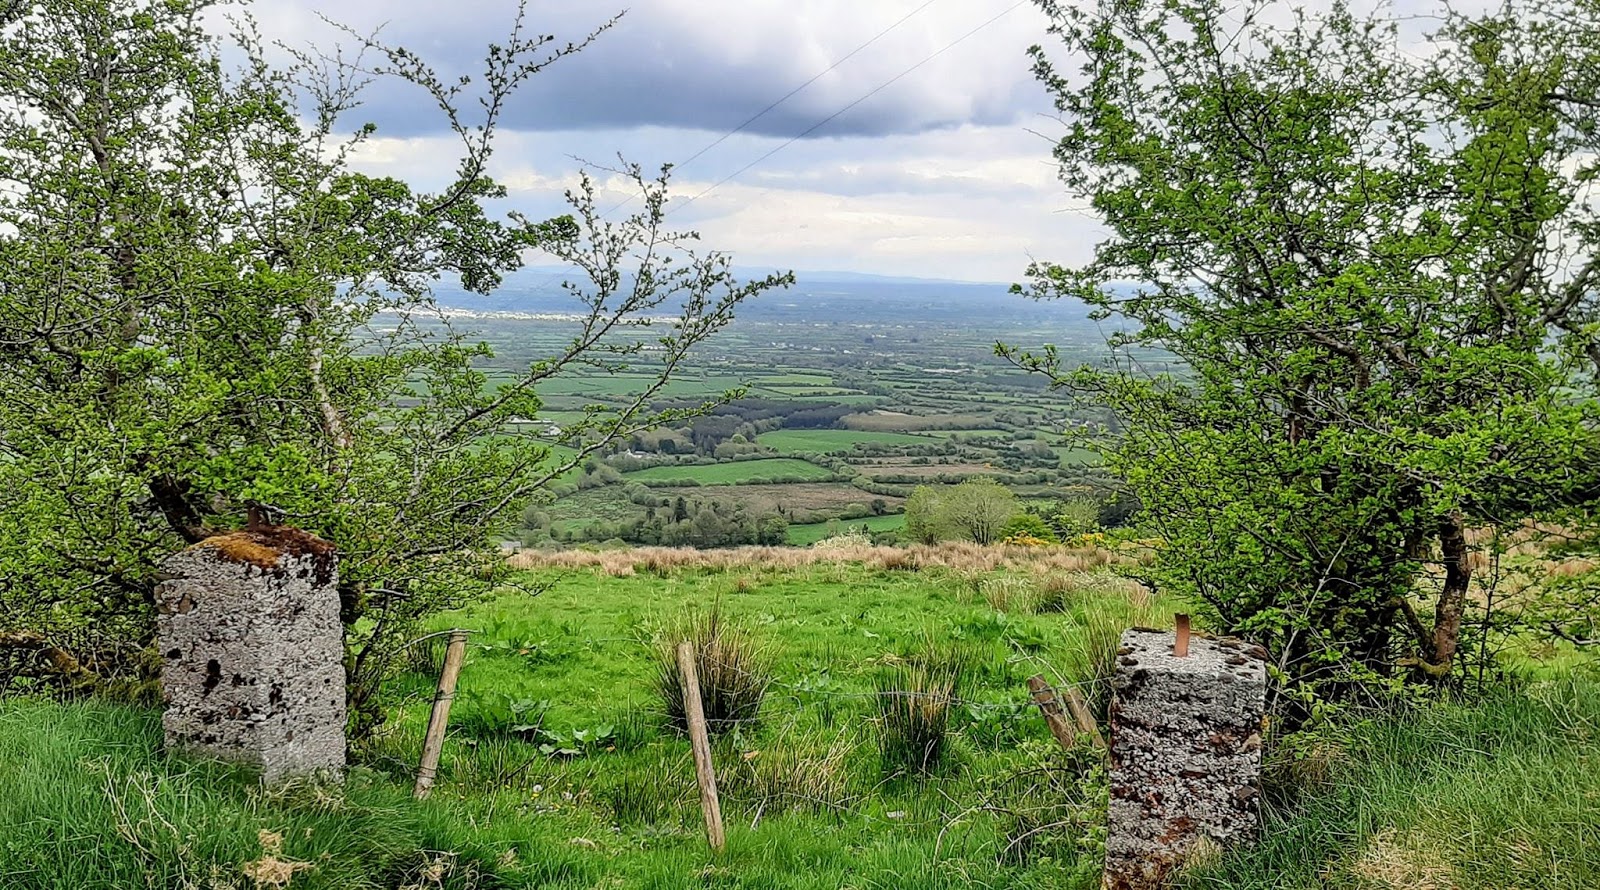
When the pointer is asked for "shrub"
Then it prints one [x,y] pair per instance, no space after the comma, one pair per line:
[914,700]
[734,671]
[1027,525]
[844,540]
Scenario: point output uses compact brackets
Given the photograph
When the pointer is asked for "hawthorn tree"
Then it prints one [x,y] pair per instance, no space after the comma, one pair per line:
[206,308]
[1374,272]
[976,510]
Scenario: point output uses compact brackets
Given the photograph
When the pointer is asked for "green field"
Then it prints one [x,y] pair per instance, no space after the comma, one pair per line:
[735,473]
[794,379]
[803,396]
[807,773]
[560,772]
[824,441]
[810,533]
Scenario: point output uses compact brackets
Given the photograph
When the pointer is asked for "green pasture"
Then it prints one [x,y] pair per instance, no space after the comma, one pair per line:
[735,472]
[795,378]
[560,771]
[810,533]
[824,441]
[812,392]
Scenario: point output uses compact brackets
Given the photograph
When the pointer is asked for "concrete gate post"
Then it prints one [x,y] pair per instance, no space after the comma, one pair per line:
[1185,753]
[253,652]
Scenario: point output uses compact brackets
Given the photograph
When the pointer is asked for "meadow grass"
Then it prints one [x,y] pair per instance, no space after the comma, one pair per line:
[562,769]
[1504,793]
[734,473]
[810,533]
[835,440]
[89,802]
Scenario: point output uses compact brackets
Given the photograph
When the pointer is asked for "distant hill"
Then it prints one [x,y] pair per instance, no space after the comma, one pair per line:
[866,278]
[557,273]
[817,298]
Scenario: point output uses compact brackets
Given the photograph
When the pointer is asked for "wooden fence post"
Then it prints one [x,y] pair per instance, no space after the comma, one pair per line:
[700,741]
[1084,717]
[439,718]
[1050,707]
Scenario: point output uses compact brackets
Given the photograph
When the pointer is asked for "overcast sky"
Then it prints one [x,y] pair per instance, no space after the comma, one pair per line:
[944,173]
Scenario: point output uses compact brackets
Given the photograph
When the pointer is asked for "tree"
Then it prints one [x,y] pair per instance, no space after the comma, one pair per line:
[206,308]
[922,511]
[1375,272]
[978,510]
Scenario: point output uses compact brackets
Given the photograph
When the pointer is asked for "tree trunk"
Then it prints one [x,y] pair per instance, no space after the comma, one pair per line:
[1453,597]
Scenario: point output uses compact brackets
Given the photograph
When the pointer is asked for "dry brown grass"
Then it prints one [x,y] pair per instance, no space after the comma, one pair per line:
[271,871]
[1572,568]
[1404,861]
[957,556]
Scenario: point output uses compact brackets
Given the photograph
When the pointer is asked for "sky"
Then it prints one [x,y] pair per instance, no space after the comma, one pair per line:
[943,170]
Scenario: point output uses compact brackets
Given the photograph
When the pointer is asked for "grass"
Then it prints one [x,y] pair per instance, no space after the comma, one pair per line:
[915,697]
[562,770]
[591,788]
[825,441]
[1499,795]
[812,532]
[795,379]
[735,473]
[731,667]
[88,802]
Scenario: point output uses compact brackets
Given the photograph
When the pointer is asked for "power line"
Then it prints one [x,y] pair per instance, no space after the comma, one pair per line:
[787,96]
[873,92]
[758,115]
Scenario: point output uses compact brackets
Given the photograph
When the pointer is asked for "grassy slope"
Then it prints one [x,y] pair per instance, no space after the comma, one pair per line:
[1500,795]
[585,643]
[585,646]
[87,802]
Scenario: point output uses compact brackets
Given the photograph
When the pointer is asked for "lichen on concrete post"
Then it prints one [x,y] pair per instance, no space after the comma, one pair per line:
[253,652]
[1185,753]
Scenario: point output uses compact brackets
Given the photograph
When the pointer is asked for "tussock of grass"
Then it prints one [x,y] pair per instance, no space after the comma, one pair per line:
[734,671]
[914,702]
[789,772]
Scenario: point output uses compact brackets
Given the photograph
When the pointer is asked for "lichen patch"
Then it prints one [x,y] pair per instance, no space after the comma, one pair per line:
[264,546]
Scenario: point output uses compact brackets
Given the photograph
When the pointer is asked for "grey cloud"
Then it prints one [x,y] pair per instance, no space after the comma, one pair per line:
[663,66]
